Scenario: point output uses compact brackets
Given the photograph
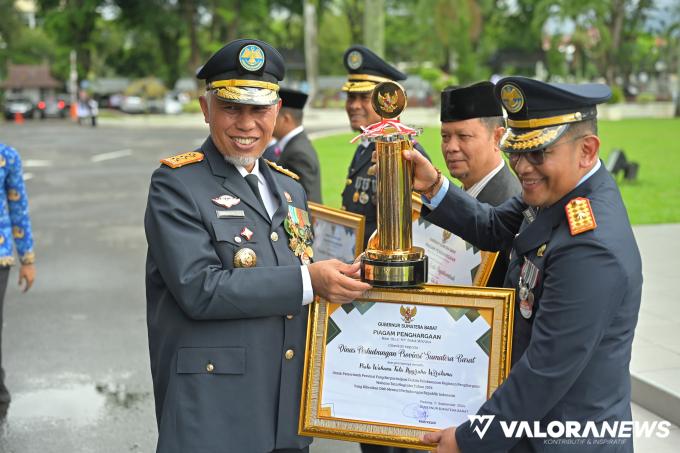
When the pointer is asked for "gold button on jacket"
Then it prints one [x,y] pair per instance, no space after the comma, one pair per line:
[210,368]
[274,236]
[290,354]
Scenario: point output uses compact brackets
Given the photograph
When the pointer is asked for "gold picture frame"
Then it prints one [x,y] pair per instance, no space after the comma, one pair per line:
[487,262]
[494,307]
[355,222]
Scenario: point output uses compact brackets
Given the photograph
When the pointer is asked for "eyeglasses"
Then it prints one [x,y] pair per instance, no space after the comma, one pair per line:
[537,157]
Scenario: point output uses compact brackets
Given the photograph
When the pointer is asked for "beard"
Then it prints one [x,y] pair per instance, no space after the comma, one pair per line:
[242,161]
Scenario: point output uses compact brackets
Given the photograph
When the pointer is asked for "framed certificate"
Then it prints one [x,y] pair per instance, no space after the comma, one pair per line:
[337,234]
[452,261]
[401,362]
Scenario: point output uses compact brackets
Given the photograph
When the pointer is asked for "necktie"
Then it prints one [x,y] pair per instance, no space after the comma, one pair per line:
[253,183]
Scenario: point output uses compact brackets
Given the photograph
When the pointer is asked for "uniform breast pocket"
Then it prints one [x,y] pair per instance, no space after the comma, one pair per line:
[211,361]
[233,231]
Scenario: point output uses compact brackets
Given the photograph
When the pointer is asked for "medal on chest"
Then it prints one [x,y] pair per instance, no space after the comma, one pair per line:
[299,231]
[528,278]
[357,186]
[364,197]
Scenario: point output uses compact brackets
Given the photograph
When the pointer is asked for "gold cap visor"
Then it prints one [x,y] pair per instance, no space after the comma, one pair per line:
[252,92]
[525,140]
[362,83]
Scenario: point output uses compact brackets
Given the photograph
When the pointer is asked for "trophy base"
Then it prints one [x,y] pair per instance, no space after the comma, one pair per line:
[394,274]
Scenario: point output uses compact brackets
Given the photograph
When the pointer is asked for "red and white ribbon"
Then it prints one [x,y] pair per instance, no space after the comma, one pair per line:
[378,130]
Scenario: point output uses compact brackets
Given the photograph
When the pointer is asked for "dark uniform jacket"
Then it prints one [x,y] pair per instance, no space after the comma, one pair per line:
[218,336]
[300,157]
[359,182]
[501,187]
[571,357]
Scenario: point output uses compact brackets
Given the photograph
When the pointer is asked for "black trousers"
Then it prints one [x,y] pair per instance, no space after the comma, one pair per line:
[4,393]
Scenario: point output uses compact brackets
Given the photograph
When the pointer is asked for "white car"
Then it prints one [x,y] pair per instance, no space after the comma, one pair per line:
[133,104]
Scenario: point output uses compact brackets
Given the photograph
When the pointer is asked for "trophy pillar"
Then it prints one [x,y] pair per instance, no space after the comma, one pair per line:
[390,260]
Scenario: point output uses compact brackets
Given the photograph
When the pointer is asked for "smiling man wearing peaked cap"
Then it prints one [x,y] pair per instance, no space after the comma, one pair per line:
[229,273]
[575,268]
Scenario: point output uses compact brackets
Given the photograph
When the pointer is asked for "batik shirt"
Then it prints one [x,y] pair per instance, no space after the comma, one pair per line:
[14,221]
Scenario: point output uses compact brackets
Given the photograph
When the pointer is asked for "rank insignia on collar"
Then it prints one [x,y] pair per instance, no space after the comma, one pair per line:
[580,216]
[181,160]
[226,201]
[299,230]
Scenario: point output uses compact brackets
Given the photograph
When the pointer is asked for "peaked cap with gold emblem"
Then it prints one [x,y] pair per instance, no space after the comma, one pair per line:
[245,71]
[540,113]
[366,70]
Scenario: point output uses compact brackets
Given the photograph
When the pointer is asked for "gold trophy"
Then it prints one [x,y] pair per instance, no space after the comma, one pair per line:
[390,259]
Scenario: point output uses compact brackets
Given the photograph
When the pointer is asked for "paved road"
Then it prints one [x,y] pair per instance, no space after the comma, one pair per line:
[75,346]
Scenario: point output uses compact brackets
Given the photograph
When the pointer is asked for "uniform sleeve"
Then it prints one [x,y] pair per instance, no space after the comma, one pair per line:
[485,226]
[183,251]
[17,201]
[583,285]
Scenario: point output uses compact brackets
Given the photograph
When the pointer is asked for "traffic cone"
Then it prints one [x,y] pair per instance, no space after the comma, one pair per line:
[19,118]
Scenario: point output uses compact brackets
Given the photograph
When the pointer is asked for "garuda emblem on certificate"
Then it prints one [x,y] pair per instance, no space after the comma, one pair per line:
[408,313]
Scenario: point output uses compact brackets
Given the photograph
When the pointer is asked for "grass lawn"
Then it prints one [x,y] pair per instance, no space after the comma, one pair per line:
[653,143]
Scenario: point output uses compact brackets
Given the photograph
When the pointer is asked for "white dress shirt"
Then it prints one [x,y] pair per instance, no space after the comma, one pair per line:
[271,205]
[477,187]
[288,137]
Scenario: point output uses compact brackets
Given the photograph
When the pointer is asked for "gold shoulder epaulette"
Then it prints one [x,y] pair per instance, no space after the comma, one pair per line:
[279,168]
[183,159]
[580,216]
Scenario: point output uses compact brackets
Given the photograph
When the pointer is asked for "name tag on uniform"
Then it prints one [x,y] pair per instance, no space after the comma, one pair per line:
[233,214]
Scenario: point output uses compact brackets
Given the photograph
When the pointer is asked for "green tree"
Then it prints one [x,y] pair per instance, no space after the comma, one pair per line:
[71,24]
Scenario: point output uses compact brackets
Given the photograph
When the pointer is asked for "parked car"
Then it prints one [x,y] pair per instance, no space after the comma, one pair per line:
[55,107]
[133,104]
[19,105]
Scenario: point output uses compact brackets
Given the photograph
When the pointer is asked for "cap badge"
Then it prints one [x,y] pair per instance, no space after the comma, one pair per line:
[512,98]
[251,57]
[354,59]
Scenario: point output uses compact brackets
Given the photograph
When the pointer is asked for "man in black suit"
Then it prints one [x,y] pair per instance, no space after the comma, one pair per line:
[472,126]
[293,148]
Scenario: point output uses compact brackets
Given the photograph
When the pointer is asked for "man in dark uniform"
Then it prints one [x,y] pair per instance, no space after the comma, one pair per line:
[293,148]
[575,267]
[228,273]
[366,70]
[472,126]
